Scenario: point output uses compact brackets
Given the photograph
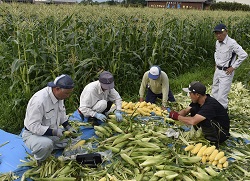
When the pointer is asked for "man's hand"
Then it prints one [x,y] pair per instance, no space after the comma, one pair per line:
[229,71]
[174,115]
[141,99]
[57,132]
[101,117]
[118,115]
[70,129]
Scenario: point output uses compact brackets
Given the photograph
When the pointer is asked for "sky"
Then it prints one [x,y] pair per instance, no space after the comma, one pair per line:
[238,1]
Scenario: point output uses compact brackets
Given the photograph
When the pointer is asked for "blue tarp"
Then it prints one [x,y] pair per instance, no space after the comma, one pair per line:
[15,150]
[11,152]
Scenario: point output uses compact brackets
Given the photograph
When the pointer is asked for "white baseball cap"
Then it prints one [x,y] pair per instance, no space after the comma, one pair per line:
[154,72]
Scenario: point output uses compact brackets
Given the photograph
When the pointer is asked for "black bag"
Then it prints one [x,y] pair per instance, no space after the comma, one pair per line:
[90,160]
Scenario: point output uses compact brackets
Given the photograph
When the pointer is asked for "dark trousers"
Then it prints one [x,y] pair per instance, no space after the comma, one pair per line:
[212,131]
[151,97]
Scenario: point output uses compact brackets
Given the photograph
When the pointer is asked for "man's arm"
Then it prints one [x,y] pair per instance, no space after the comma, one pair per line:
[165,88]
[191,120]
[242,55]
[185,112]
[115,96]
[144,83]
[86,104]
[182,116]
[34,117]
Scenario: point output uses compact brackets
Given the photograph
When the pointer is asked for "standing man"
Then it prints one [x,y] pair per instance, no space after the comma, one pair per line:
[205,112]
[44,114]
[228,57]
[97,98]
[157,83]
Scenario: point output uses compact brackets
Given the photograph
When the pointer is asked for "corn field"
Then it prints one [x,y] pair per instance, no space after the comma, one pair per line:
[39,42]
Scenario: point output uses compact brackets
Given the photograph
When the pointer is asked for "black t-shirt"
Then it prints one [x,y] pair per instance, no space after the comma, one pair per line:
[213,111]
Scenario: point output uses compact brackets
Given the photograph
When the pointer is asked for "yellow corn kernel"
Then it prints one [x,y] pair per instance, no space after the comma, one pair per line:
[158,109]
[219,165]
[203,148]
[158,113]
[204,159]
[146,109]
[196,148]
[223,159]
[143,113]
[189,147]
[225,165]
[124,103]
[212,156]
[128,105]
[210,150]
[129,111]
[207,158]
[132,106]
[142,104]
[219,155]
[215,162]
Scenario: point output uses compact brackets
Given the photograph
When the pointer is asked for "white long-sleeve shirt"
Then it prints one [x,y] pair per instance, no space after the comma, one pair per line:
[158,86]
[224,50]
[44,111]
[92,93]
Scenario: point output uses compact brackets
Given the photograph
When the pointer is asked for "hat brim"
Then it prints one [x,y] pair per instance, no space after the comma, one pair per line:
[107,86]
[154,77]
[186,90]
[51,84]
[219,30]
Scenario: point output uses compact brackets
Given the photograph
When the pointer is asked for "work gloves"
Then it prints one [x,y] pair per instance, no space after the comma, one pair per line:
[174,115]
[118,115]
[166,108]
[70,129]
[101,117]
[57,132]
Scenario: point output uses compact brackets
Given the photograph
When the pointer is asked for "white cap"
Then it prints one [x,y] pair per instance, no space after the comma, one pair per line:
[154,72]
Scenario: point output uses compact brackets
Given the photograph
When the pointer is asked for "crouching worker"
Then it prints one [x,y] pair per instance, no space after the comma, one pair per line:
[97,98]
[44,114]
[156,83]
[205,112]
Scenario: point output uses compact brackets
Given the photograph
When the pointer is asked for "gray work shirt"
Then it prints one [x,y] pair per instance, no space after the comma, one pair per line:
[224,50]
[44,111]
[92,93]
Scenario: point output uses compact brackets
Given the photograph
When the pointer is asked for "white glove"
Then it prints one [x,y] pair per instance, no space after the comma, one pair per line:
[101,117]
